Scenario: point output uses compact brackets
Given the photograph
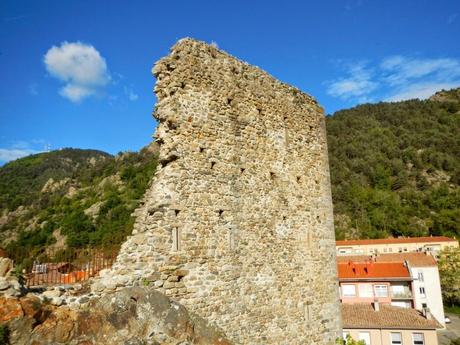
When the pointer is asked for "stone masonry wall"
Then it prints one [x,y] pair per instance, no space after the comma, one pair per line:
[237,224]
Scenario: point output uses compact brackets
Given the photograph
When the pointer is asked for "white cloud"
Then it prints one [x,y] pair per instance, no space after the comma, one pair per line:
[76,93]
[420,91]
[391,62]
[400,70]
[22,148]
[7,155]
[358,83]
[132,96]
[396,78]
[80,66]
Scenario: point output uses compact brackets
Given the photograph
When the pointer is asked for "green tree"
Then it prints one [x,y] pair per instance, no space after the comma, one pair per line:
[349,341]
[449,268]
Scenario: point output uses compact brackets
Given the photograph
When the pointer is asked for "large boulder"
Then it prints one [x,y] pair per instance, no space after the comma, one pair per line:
[10,285]
[6,266]
[135,315]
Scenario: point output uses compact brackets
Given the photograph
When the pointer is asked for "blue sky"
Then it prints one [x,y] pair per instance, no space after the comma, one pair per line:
[77,73]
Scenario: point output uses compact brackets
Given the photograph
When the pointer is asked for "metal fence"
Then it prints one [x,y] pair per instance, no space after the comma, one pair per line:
[66,266]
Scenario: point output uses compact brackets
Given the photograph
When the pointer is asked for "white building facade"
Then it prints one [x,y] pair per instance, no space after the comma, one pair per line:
[427,291]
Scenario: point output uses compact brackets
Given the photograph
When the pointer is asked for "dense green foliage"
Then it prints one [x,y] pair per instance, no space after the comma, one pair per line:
[109,187]
[395,168]
[21,180]
[449,268]
[4,335]
[455,309]
[349,341]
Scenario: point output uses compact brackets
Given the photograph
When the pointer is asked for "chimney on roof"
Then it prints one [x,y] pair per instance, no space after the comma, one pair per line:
[427,313]
[376,305]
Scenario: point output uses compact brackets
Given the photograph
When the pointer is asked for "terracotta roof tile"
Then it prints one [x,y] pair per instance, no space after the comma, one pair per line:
[363,315]
[427,239]
[414,259]
[366,270]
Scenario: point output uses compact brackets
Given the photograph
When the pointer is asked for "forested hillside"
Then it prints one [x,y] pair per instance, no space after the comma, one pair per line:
[395,168]
[71,198]
[22,180]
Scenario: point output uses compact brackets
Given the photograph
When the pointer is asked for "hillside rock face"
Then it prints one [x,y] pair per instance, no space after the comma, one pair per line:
[132,316]
[237,224]
[9,283]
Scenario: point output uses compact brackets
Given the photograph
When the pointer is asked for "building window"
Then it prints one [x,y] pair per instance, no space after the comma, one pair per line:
[390,249]
[398,291]
[420,276]
[381,290]
[348,290]
[365,290]
[396,339]
[344,250]
[418,339]
[366,336]
[422,291]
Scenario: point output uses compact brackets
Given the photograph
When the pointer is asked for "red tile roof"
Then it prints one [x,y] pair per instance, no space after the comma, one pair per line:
[363,315]
[369,270]
[428,239]
[414,259]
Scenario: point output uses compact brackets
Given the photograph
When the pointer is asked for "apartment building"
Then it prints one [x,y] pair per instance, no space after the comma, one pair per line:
[385,282]
[432,244]
[378,324]
[425,287]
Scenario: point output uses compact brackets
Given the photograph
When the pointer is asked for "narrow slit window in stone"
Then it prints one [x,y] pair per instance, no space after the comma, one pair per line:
[176,239]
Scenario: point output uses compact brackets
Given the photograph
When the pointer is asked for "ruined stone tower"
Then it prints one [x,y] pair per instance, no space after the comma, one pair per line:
[237,223]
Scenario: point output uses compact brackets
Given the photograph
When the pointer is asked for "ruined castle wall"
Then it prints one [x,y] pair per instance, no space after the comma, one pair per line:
[237,224]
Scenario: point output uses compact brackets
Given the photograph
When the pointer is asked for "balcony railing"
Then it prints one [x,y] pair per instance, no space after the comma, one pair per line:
[402,295]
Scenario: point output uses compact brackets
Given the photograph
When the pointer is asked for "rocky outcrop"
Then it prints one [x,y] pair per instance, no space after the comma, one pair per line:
[10,284]
[131,316]
[51,185]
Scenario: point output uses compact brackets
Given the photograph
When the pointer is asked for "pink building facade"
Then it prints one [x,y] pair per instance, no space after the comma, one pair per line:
[387,283]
